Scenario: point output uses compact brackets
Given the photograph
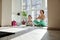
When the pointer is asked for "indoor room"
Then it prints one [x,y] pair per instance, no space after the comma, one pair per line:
[29,20]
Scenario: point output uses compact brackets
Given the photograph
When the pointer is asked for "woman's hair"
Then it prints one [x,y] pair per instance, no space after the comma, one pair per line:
[42,11]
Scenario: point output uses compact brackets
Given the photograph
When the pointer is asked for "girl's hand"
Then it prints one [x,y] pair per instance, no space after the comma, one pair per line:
[36,18]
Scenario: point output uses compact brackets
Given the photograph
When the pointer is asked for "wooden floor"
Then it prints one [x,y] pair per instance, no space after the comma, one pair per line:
[40,34]
[35,34]
[52,35]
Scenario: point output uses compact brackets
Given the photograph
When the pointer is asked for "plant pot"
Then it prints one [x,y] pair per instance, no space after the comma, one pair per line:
[14,23]
[23,22]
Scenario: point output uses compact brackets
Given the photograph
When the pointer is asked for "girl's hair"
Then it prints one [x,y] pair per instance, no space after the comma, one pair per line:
[42,11]
[29,15]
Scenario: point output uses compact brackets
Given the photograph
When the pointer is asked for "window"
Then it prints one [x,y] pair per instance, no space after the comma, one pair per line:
[32,7]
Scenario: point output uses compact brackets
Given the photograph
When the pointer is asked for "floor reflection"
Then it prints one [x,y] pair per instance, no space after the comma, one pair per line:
[52,35]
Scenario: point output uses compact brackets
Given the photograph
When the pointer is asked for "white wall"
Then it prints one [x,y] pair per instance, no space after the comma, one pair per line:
[0,10]
[43,4]
[7,9]
[6,12]
[16,8]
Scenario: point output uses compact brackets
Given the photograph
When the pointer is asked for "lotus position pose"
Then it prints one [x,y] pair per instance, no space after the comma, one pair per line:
[39,21]
[29,20]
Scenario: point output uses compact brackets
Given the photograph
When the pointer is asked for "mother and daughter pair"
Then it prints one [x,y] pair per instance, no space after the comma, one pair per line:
[39,21]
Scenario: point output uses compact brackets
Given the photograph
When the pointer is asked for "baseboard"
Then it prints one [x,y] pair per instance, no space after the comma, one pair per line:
[53,28]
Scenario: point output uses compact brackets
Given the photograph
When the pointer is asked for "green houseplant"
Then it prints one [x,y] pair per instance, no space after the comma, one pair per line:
[24,13]
[24,17]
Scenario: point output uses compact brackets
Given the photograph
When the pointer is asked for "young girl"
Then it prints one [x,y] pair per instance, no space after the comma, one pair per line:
[41,17]
[29,20]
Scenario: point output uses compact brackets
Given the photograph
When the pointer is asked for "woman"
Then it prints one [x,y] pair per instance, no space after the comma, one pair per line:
[40,19]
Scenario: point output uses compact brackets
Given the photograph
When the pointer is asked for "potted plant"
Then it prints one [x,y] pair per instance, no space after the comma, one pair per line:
[24,13]
[24,17]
